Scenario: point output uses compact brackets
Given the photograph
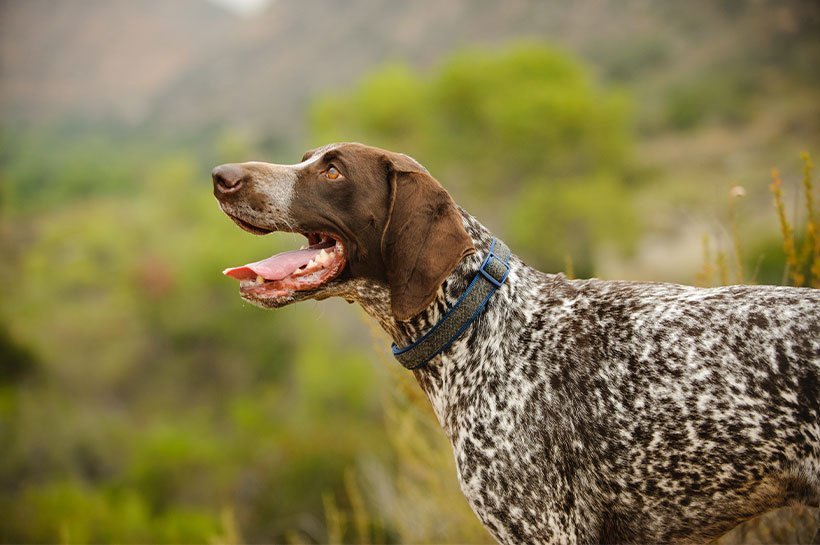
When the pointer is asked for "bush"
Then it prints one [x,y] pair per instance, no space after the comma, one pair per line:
[519,136]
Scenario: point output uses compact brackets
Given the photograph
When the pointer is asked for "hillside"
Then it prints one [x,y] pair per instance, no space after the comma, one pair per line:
[188,64]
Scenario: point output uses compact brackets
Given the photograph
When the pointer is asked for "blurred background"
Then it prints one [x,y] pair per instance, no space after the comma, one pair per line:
[141,401]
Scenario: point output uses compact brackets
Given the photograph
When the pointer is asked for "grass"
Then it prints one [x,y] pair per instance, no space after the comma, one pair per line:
[799,238]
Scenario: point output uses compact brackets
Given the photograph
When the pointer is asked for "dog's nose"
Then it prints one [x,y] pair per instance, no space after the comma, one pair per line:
[228,178]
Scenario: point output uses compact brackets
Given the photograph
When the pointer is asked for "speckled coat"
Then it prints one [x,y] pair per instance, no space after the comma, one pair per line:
[590,411]
[580,411]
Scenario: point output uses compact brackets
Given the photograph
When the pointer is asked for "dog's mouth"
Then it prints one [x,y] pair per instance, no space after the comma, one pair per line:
[317,263]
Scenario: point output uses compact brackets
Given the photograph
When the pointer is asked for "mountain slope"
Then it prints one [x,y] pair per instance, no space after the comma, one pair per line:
[188,64]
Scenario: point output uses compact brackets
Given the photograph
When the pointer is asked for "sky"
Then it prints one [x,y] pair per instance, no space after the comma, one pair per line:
[244,7]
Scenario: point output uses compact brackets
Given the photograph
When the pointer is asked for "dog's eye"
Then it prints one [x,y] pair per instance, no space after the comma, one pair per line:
[331,173]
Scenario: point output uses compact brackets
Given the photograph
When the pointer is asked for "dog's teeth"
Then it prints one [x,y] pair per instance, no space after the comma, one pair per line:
[323,257]
[311,264]
[304,247]
[259,279]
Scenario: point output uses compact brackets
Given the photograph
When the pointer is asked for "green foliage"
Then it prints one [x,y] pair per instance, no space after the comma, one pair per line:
[723,96]
[83,515]
[524,132]
[48,167]
[635,57]
[16,361]
[157,399]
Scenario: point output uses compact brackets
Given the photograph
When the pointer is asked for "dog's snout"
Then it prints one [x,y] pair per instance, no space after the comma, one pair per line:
[228,178]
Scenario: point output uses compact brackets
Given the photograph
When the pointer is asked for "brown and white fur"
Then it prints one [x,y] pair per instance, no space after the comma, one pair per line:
[579,411]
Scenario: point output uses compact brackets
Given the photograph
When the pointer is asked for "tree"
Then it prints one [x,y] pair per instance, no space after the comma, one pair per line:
[523,136]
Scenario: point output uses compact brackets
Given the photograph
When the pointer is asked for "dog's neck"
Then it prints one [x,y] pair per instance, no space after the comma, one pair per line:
[440,371]
[375,299]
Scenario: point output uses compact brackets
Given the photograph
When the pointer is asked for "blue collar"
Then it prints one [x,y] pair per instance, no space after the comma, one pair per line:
[490,277]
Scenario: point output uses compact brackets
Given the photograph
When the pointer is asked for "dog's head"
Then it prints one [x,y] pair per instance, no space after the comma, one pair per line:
[367,213]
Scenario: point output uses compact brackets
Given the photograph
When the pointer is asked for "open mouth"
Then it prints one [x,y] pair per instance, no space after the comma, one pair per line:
[308,268]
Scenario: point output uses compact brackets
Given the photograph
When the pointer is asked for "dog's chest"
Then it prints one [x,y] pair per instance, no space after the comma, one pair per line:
[504,458]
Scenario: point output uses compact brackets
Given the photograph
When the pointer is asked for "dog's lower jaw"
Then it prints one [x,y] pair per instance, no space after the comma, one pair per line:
[268,303]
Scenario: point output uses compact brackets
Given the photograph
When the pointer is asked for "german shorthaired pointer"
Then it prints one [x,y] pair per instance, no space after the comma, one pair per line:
[580,411]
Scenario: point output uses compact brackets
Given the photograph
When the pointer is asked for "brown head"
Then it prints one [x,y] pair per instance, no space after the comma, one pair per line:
[366,212]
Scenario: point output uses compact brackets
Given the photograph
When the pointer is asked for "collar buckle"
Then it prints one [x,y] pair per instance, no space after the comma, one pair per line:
[494,269]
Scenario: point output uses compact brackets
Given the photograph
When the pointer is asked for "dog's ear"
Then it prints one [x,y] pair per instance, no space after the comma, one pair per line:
[423,238]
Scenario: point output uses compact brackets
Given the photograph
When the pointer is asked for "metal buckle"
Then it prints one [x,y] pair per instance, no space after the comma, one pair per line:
[497,282]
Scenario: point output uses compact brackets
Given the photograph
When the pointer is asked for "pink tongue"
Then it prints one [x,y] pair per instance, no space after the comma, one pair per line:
[273,268]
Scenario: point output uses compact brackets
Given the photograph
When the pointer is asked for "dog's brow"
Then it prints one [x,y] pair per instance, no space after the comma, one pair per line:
[317,152]
[309,161]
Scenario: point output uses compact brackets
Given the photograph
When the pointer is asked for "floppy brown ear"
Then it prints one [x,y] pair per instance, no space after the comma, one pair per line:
[423,239]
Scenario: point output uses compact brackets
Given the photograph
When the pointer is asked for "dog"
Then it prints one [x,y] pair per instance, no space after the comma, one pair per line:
[579,411]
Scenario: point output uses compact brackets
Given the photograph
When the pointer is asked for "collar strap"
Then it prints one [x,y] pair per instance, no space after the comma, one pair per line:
[490,276]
